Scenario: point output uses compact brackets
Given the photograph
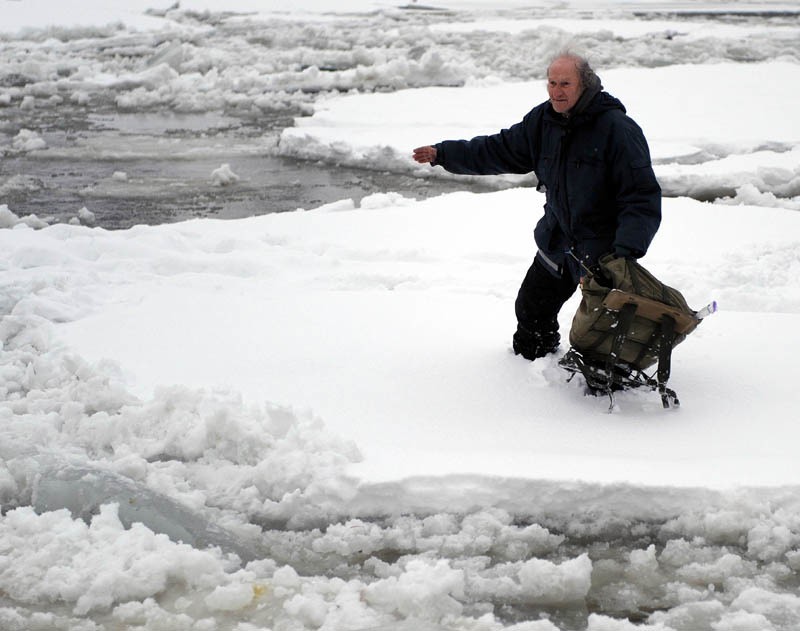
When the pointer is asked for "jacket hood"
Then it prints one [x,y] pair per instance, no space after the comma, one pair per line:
[601,102]
[592,102]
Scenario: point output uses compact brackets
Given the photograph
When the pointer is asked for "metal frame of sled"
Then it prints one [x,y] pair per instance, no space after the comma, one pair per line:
[608,373]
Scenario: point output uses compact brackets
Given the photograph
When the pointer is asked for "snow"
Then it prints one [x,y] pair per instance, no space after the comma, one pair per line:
[27,140]
[224,175]
[313,420]
[250,307]
[623,28]
[695,154]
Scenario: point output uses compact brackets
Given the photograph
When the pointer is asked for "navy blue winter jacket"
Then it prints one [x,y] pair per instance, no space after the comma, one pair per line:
[601,192]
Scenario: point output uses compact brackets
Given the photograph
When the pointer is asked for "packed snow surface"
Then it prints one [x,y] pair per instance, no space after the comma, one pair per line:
[313,419]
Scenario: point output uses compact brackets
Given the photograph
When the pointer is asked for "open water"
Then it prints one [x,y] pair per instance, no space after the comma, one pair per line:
[110,163]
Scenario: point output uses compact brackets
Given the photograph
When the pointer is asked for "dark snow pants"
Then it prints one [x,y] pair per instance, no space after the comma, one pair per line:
[539,300]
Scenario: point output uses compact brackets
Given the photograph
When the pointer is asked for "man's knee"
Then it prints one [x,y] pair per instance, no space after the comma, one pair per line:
[539,300]
[541,296]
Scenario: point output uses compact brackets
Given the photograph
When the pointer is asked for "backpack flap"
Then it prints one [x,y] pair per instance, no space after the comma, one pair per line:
[595,325]
[651,310]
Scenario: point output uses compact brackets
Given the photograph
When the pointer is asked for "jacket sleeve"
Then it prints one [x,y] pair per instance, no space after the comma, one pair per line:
[638,194]
[509,151]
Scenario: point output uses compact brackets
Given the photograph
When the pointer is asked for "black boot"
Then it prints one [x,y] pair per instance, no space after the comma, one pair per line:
[534,344]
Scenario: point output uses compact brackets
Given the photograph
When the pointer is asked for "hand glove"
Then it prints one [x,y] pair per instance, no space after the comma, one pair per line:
[600,276]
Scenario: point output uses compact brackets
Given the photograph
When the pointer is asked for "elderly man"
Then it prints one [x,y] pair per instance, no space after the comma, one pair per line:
[602,196]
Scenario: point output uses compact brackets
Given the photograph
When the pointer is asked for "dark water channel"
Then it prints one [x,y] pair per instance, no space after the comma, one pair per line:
[155,167]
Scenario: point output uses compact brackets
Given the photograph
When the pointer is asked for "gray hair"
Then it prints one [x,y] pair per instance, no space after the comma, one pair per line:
[587,76]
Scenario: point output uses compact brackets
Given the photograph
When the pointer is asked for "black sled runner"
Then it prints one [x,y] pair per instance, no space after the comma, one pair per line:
[627,322]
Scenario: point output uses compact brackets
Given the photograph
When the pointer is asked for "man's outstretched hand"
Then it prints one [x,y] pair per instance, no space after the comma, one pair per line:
[425,154]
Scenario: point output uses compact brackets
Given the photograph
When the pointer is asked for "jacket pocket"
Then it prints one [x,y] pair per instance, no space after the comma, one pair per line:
[545,166]
[643,177]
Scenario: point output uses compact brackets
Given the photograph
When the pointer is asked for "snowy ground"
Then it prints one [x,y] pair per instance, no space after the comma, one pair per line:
[313,420]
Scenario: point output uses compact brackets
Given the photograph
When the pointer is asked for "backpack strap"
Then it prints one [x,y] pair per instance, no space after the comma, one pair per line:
[624,321]
[666,334]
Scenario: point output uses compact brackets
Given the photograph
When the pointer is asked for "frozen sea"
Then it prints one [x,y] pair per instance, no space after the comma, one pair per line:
[255,369]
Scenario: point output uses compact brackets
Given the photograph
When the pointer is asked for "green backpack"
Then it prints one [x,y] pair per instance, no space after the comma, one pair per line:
[620,331]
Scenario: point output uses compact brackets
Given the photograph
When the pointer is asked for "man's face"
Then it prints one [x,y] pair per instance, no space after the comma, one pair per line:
[563,85]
